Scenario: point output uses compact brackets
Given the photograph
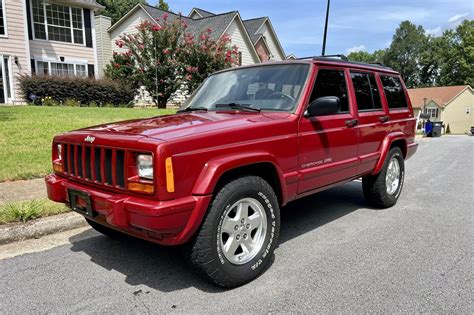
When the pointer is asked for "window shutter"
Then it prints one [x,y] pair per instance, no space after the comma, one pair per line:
[33,67]
[29,20]
[88,27]
[90,71]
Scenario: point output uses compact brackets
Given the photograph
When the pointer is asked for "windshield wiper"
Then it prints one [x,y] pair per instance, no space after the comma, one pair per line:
[239,106]
[192,109]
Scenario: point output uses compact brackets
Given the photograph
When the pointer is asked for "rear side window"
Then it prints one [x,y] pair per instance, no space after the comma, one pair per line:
[366,91]
[394,92]
[331,83]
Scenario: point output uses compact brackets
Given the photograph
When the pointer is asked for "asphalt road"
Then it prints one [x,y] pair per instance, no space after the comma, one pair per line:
[335,255]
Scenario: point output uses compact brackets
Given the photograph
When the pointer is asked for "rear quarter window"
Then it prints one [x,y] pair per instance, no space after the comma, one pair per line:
[394,92]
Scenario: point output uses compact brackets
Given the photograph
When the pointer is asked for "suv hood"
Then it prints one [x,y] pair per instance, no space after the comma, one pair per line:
[181,125]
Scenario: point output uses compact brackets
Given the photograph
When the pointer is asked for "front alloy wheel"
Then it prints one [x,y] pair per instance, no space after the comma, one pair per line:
[242,231]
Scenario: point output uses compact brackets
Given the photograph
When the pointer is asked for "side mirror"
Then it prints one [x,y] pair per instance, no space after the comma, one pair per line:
[326,105]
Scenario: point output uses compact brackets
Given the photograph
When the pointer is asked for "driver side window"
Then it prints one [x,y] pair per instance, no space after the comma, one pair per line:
[331,83]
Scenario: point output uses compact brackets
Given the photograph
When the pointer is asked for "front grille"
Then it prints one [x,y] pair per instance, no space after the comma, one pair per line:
[97,164]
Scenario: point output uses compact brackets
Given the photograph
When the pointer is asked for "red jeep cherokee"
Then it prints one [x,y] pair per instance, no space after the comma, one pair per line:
[247,142]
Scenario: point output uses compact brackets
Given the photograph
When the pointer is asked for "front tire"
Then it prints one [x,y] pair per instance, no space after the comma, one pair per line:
[382,190]
[238,234]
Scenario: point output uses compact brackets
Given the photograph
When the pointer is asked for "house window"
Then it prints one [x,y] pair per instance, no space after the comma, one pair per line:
[81,71]
[433,112]
[42,68]
[57,22]
[3,19]
[61,69]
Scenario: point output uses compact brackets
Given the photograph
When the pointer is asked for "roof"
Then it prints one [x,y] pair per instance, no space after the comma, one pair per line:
[158,13]
[252,27]
[440,95]
[201,12]
[217,22]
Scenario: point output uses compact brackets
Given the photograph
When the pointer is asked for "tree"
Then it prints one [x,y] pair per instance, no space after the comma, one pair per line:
[115,9]
[404,53]
[203,56]
[455,51]
[164,58]
[162,5]
[363,56]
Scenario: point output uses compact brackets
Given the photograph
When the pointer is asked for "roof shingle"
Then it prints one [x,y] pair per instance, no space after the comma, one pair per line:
[203,13]
[440,95]
[252,27]
[217,22]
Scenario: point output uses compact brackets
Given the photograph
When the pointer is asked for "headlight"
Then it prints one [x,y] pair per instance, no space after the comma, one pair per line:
[145,166]
[60,150]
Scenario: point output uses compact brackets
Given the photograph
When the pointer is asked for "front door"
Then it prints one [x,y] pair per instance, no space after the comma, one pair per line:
[328,144]
[373,119]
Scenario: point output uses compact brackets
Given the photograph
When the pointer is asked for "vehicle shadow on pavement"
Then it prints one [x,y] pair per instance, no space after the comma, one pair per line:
[164,268]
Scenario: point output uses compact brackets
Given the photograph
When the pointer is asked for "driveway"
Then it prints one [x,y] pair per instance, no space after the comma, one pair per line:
[335,255]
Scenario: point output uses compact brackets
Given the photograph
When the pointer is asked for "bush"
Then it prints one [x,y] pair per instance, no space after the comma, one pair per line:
[74,91]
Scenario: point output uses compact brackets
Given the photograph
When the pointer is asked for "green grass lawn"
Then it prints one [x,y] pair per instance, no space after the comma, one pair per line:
[26,133]
[23,211]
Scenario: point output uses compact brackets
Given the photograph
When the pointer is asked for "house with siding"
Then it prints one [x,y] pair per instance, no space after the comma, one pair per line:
[52,37]
[453,105]
[256,38]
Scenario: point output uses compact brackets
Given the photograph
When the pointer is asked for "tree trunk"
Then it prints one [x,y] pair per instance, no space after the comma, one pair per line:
[162,103]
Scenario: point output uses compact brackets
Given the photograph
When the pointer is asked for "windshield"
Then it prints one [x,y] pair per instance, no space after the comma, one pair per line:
[274,88]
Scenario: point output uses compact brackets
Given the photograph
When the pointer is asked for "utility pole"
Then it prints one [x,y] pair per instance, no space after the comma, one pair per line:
[326,29]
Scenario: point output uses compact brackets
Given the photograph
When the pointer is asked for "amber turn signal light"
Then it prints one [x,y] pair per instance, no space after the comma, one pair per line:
[169,175]
[58,168]
[140,187]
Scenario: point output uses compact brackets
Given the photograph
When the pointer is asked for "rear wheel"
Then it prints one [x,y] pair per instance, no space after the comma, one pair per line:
[105,230]
[382,190]
[239,233]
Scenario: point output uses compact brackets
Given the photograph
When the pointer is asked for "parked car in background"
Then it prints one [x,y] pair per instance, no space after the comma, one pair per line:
[247,142]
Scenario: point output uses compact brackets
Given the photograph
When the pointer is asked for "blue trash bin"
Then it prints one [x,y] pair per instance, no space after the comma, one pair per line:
[428,128]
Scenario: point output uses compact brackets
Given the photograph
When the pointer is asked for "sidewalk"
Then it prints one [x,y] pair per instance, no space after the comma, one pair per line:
[22,190]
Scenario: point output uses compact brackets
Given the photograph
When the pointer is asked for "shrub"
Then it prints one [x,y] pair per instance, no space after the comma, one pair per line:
[71,103]
[74,90]
[48,101]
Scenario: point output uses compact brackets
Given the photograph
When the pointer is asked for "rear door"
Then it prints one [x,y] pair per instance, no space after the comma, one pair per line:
[328,144]
[372,115]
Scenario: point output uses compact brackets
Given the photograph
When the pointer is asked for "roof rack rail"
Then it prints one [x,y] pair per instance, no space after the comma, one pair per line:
[341,56]
[344,58]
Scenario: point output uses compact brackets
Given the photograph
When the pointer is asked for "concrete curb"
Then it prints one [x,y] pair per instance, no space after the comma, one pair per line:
[41,227]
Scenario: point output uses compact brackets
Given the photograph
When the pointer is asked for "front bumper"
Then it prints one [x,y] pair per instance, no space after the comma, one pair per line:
[169,222]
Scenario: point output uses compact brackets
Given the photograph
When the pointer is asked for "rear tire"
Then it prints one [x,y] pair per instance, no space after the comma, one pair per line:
[382,190]
[238,234]
[105,230]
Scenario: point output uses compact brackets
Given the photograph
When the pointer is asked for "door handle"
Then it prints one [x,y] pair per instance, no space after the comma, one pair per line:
[351,122]
[384,119]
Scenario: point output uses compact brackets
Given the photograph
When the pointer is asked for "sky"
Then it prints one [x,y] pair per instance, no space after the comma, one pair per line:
[353,25]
